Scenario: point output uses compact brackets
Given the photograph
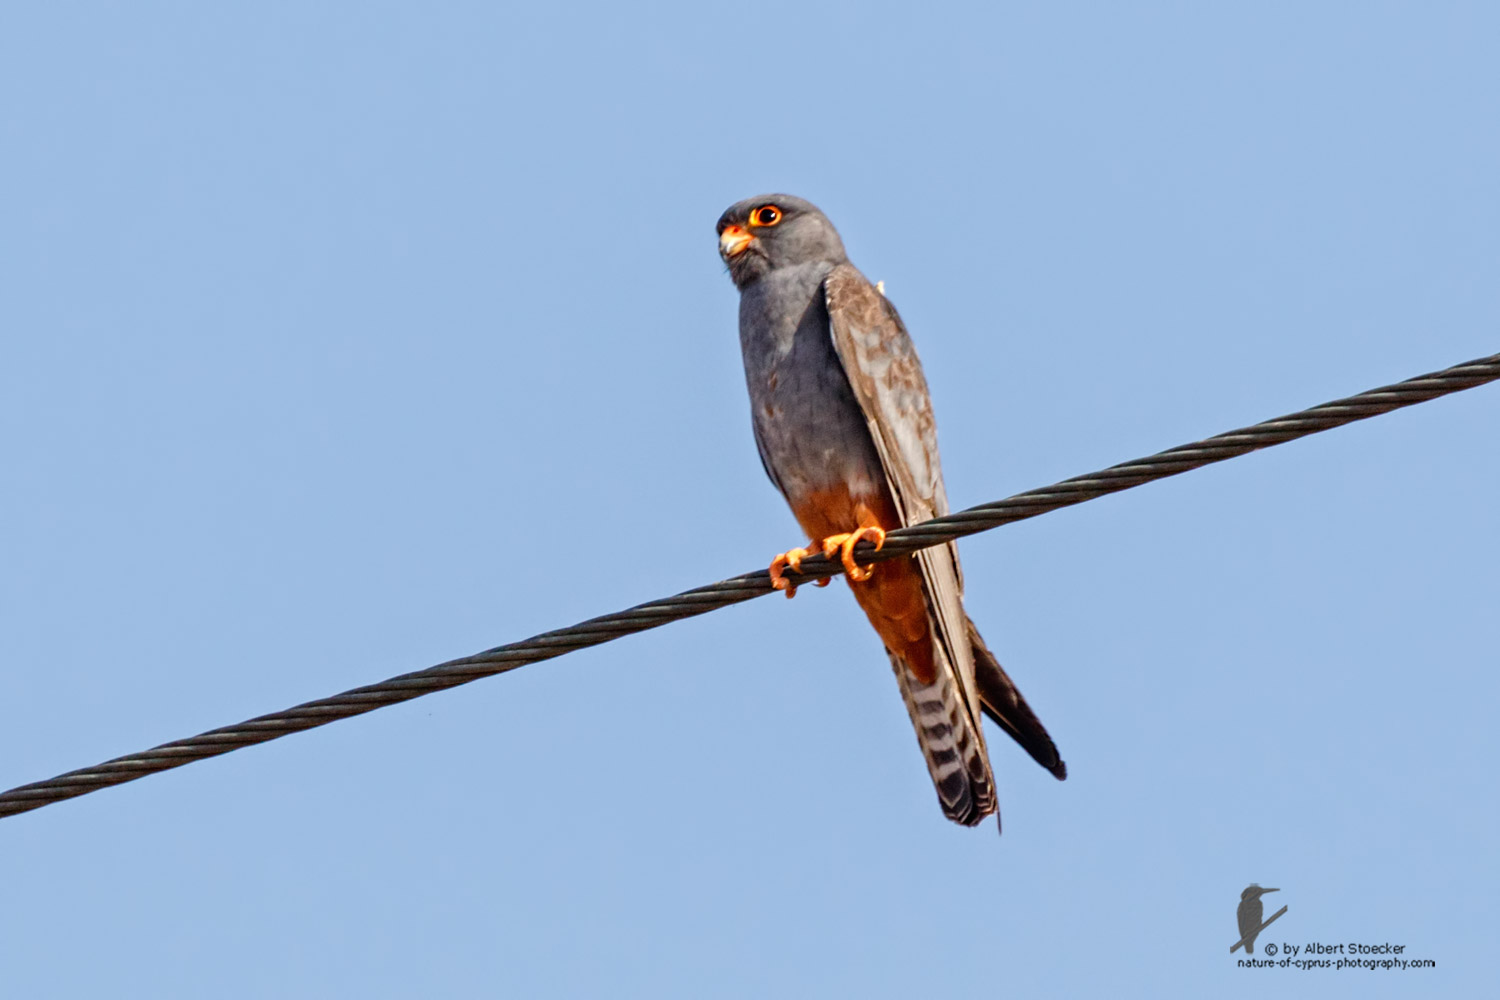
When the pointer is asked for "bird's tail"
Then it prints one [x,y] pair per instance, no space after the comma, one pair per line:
[952,742]
[1003,703]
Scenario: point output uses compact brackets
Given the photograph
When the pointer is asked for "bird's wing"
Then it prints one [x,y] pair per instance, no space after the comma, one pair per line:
[1004,703]
[881,363]
[882,366]
[765,458]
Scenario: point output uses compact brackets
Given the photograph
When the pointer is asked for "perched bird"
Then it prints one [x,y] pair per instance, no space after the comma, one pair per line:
[1249,915]
[845,430]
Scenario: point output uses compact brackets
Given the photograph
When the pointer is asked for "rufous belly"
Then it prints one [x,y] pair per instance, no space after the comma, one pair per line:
[893,598]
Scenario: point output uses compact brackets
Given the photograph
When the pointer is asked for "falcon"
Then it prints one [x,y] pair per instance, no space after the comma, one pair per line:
[845,430]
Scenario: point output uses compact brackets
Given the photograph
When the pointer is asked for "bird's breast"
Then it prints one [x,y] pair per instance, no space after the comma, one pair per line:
[809,425]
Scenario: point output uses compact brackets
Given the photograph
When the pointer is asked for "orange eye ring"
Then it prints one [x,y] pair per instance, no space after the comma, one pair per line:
[765,215]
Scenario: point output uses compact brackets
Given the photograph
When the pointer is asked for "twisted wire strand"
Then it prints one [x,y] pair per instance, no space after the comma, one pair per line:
[708,598]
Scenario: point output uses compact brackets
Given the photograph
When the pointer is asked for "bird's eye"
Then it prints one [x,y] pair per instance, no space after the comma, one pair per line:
[766,215]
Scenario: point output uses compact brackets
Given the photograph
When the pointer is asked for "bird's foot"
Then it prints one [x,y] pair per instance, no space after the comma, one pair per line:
[844,545]
[792,558]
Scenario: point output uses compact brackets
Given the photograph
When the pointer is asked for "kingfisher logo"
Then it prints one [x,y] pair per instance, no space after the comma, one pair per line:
[1251,918]
[1249,914]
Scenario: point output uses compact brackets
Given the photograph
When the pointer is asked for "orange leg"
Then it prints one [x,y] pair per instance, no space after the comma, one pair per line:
[790,558]
[844,545]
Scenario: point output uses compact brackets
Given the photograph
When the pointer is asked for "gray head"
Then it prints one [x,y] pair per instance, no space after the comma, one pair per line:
[761,234]
[1253,891]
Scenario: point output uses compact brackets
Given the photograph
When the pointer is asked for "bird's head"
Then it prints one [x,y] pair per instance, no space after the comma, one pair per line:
[1255,892]
[761,234]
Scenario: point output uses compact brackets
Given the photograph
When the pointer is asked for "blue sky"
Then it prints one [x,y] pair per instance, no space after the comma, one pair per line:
[344,339]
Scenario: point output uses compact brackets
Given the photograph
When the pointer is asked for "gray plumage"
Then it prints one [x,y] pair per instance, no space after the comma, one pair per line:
[1249,915]
[844,426]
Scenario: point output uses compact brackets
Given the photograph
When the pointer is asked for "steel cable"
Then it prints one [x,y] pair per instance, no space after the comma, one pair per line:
[742,588]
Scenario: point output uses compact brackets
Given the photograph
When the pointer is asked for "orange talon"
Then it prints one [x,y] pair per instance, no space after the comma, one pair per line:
[792,558]
[844,545]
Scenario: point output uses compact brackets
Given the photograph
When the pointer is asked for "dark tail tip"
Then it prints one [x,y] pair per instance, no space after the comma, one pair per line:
[1003,703]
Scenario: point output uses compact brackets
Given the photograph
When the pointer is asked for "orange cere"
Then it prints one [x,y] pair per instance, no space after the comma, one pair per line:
[733,241]
[893,598]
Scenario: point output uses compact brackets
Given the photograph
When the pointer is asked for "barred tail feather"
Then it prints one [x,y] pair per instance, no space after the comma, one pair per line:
[952,742]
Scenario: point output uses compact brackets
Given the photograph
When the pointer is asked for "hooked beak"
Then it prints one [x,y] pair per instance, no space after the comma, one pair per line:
[733,241]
